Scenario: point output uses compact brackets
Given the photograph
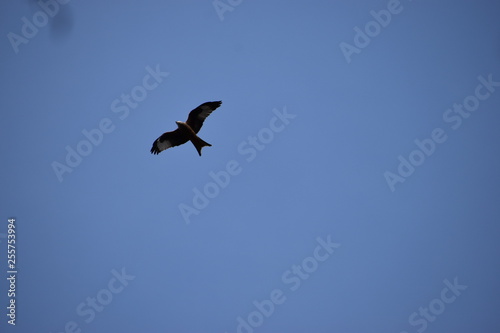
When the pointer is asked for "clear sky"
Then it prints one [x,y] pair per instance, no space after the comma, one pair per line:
[352,185]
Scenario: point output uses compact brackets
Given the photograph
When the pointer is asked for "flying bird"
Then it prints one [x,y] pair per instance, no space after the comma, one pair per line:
[186,131]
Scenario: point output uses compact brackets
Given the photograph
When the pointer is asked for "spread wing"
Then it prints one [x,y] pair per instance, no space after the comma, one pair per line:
[167,140]
[197,116]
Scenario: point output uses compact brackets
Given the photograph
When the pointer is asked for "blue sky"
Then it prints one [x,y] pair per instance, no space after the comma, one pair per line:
[351,186]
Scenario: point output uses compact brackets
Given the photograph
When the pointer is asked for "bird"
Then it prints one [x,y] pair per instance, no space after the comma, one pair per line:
[186,131]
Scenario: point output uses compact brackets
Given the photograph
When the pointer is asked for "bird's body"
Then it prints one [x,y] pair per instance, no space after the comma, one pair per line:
[186,131]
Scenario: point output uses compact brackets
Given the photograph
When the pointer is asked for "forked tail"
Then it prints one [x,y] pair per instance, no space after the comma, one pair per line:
[199,143]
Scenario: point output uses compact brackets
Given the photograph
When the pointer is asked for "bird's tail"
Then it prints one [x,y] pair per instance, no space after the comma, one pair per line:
[199,143]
